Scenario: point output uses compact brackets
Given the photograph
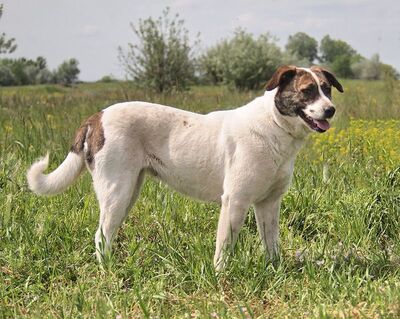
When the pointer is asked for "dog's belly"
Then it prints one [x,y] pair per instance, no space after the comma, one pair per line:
[206,187]
[197,172]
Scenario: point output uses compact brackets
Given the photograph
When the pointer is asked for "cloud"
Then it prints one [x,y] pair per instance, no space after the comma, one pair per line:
[184,3]
[89,30]
[246,18]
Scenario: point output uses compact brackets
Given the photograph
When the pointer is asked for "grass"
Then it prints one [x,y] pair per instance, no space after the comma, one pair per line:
[339,234]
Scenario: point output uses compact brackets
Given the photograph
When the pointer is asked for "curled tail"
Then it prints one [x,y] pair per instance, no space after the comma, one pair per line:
[58,180]
[89,139]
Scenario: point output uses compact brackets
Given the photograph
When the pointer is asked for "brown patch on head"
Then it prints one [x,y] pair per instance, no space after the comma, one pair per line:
[294,95]
[328,76]
[185,123]
[281,76]
[92,133]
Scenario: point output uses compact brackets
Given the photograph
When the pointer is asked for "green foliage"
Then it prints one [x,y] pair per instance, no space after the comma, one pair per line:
[6,45]
[163,58]
[388,72]
[107,79]
[302,46]
[67,72]
[339,238]
[243,61]
[373,69]
[367,69]
[331,49]
[339,56]
[25,71]
[341,67]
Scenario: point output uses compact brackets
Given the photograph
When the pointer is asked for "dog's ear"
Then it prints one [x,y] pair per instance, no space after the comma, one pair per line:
[282,75]
[330,77]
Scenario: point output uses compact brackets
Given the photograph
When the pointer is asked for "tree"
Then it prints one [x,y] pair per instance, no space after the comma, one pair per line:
[67,72]
[339,56]
[6,45]
[388,72]
[242,61]
[373,69]
[163,59]
[367,69]
[331,49]
[302,46]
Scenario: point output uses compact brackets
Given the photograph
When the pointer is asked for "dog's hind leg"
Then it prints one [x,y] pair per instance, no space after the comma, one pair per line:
[116,197]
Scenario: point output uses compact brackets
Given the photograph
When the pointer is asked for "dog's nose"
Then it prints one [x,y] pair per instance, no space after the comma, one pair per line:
[329,112]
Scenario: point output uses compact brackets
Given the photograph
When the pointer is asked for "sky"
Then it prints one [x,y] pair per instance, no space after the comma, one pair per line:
[92,30]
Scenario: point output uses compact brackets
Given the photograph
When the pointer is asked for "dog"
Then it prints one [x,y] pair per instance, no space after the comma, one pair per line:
[237,158]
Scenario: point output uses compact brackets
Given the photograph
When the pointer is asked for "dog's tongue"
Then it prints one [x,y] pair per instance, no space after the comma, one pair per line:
[322,124]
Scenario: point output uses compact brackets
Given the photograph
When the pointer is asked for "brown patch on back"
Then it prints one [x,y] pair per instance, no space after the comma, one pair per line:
[92,133]
[77,145]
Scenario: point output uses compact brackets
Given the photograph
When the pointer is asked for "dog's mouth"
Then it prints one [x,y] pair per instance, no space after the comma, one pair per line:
[320,126]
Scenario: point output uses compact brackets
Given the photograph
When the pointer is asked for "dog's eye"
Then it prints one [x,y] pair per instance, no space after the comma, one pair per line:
[307,90]
[327,90]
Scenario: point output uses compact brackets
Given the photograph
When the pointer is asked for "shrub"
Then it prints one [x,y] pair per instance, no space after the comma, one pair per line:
[242,61]
[303,47]
[163,60]
[67,72]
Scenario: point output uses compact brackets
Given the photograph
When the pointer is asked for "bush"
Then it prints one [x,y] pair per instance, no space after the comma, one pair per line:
[7,77]
[67,72]
[341,66]
[25,72]
[107,79]
[388,72]
[303,47]
[367,69]
[243,62]
[163,60]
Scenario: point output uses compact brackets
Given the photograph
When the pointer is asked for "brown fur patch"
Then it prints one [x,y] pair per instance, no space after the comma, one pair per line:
[282,75]
[327,76]
[296,94]
[92,133]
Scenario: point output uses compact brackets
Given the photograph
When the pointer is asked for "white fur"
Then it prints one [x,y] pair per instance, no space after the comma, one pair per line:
[316,110]
[58,180]
[238,158]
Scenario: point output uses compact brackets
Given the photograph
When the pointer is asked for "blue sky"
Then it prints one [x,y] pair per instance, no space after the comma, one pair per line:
[92,30]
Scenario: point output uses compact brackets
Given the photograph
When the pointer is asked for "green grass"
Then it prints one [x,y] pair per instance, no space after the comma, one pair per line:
[339,240]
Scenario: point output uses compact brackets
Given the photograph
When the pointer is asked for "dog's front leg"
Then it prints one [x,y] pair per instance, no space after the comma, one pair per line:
[267,216]
[231,219]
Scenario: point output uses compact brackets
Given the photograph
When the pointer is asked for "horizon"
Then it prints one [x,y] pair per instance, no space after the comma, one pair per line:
[92,31]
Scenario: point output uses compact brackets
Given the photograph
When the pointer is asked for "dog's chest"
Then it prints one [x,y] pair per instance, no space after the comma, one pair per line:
[273,182]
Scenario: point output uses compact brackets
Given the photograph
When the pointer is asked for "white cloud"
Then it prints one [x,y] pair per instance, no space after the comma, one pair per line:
[89,30]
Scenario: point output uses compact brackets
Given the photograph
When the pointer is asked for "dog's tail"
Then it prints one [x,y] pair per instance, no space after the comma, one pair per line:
[58,180]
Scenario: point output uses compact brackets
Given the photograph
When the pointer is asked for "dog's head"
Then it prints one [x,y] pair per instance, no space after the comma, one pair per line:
[305,94]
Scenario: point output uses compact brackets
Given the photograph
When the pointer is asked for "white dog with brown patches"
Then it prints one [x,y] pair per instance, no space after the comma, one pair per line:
[238,157]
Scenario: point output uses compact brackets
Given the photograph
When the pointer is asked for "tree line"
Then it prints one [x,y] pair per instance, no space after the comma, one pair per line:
[163,57]
[24,71]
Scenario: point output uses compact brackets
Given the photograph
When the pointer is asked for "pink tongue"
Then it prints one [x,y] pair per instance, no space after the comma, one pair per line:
[322,124]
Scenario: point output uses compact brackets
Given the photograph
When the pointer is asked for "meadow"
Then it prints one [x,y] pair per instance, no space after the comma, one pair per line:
[340,220]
